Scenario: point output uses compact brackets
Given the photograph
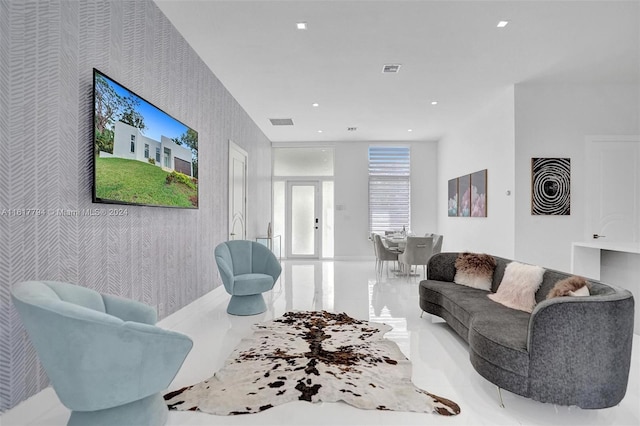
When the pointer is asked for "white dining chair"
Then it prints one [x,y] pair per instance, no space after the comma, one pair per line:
[417,252]
[437,243]
[383,254]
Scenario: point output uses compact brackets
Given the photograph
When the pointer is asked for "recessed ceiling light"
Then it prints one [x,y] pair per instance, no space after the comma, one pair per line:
[301,25]
[434,102]
[315,104]
[502,24]
[319,131]
[410,130]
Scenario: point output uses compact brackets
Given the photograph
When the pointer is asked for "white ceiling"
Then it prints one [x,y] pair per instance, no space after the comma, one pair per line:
[450,51]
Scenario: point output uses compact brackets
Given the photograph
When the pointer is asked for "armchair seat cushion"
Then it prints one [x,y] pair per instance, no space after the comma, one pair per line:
[247,284]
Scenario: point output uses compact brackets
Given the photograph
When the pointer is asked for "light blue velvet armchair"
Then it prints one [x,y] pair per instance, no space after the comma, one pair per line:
[247,269]
[106,360]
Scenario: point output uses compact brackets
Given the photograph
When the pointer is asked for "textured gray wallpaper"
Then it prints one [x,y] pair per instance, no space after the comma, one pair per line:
[163,257]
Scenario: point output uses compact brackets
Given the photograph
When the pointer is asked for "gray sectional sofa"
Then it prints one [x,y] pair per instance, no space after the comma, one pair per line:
[568,351]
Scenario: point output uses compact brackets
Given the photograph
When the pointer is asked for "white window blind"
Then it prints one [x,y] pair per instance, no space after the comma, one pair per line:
[389,188]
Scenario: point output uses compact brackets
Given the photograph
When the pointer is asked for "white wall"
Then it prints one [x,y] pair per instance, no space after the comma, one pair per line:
[553,120]
[352,194]
[483,141]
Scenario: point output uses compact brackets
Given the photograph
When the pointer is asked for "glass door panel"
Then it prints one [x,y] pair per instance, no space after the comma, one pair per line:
[303,219]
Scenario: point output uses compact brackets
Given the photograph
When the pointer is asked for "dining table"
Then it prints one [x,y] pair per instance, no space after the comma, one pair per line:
[395,242]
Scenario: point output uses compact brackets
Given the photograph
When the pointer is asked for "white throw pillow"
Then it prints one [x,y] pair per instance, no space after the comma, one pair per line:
[581,292]
[518,286]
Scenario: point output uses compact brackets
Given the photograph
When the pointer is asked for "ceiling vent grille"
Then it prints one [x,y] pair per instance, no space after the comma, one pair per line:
[391,68]
[281,121]
[352,129]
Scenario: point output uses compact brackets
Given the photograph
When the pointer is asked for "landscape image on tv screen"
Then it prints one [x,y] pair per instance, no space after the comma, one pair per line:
[142,156]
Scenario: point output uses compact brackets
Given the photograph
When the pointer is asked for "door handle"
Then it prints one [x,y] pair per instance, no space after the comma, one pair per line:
[596,236]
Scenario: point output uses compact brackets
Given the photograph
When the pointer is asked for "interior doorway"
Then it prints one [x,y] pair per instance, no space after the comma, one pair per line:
[303,214]
[613,188]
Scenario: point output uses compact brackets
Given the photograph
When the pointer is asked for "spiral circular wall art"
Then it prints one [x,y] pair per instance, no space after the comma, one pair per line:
[550,186]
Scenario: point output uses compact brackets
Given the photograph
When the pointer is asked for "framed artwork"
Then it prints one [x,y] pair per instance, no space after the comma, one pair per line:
[464,196]
[479,193]
[551,186]
[453,197]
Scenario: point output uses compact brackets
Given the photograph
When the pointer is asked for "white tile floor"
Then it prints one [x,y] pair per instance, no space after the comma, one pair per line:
[440,359]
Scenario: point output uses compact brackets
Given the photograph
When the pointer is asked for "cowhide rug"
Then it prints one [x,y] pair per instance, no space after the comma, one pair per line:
[312,356]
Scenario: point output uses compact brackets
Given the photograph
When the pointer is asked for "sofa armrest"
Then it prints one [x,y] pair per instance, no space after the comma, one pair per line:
[580,347]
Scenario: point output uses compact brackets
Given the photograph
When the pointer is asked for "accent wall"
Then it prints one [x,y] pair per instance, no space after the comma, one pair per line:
[160,256]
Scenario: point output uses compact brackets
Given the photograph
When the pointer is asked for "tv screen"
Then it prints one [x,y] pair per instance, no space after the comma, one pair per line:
[142,155]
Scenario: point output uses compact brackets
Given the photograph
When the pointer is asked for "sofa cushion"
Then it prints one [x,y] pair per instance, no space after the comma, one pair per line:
[460,301]
[499,336]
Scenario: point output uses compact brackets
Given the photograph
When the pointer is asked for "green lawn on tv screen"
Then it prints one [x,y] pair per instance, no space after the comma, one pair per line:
[132,181]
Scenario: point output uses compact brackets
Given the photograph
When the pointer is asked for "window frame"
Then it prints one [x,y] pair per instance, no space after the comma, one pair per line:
[389,188]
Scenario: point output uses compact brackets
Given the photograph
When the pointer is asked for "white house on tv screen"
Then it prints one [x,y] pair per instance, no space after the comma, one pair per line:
[129,142]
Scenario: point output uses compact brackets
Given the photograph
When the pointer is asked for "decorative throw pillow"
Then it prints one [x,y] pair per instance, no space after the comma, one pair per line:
[581,292]
[518,286]
[475,270]
[574,284]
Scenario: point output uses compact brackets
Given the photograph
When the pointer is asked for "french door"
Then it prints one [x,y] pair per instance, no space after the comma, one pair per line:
[303,209]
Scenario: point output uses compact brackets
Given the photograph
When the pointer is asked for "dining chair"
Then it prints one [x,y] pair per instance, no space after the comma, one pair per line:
[437,243]
[375,250]
[417,252]
[383,254]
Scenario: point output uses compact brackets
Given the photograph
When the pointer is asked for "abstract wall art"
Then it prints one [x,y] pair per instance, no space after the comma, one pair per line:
[453,197]
[551,186]
[467,195]
[464,196]
[479,194]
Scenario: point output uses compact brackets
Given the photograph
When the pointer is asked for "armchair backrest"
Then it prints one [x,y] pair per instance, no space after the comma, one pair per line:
[51,291]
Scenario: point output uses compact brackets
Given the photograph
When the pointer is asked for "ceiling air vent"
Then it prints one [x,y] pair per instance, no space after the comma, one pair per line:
[352,129]
[391,68]
[281,121]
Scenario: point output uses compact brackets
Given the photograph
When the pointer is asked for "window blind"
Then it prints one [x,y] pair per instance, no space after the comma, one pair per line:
[389,188]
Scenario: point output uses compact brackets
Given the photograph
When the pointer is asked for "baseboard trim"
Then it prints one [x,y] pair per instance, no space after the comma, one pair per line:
[358,258]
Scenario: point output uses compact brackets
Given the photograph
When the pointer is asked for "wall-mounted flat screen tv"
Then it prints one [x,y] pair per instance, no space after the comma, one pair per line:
[142,155]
